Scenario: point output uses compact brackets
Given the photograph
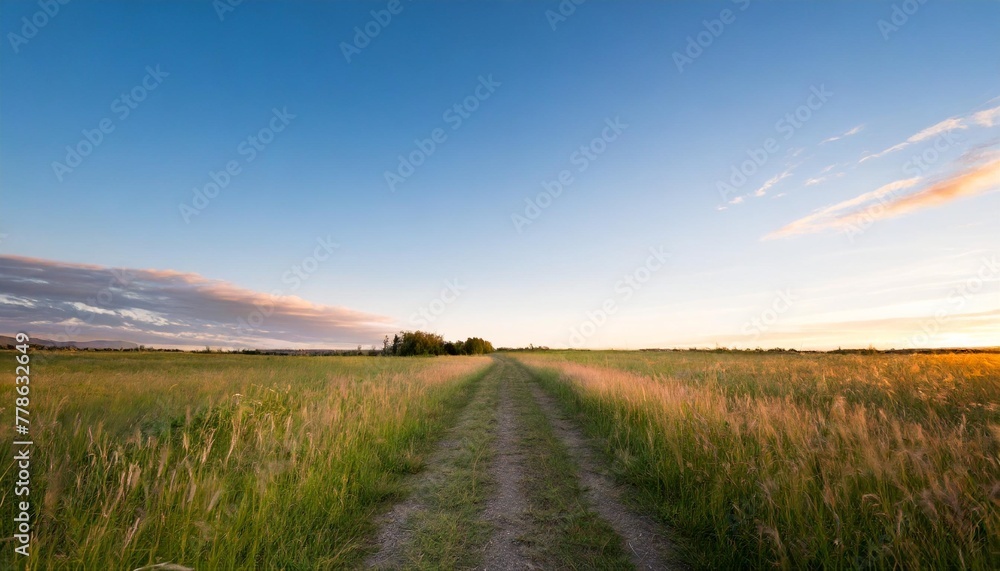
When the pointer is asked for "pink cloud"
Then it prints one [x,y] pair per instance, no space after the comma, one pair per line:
[167,307]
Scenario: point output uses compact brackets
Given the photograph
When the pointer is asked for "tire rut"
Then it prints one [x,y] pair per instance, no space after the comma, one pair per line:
[507,508]
[648,544]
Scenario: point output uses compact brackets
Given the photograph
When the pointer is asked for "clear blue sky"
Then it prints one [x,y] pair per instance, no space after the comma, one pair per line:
[654,186]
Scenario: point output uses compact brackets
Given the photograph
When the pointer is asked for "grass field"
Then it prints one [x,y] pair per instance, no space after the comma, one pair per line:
[801,461]
[721,460]
[223,461]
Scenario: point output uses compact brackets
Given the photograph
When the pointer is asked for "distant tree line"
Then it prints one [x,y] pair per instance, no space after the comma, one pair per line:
[409,343]
[529,348]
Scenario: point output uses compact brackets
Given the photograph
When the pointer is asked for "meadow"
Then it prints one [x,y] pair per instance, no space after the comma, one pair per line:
[746,460]
[213,461]
[800,460]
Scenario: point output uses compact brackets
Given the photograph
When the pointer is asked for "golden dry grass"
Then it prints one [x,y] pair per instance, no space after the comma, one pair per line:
[843,461]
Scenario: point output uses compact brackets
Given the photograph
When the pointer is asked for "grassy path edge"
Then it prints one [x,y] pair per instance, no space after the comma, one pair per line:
[436,522]
[676,550]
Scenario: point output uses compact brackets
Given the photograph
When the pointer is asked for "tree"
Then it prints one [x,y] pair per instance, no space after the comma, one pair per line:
[420,343]
[477,346]
[409,343]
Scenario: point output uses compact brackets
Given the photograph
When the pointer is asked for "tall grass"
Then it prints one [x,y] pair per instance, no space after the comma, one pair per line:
[224,461]
[803,461]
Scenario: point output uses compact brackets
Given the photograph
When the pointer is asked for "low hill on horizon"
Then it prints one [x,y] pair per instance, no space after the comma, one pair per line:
[7,341]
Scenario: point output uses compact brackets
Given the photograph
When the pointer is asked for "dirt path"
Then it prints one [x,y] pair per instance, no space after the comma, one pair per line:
[516,485]
[646,542]
[507,508]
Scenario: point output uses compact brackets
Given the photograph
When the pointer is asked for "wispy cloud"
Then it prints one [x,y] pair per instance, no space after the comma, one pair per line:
[971,182]
[932,131]
[833,216]
[821,179]
[888,201]
[985,118]
[165,307]
[773,181]
[985,151]
[763,189]
[852,131]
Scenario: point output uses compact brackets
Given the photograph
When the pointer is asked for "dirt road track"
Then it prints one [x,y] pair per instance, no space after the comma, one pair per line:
[506,509]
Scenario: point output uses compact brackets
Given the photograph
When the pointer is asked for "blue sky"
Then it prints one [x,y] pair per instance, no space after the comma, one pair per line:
[746,266]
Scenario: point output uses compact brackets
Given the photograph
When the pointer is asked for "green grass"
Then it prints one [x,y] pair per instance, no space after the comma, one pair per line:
[236,461]
[801,461]
[222,461]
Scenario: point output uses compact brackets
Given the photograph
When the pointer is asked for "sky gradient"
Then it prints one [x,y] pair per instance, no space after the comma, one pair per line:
[627,175]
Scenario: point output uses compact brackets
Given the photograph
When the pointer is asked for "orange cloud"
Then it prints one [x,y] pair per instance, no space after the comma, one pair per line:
[976,180]
[886,202]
